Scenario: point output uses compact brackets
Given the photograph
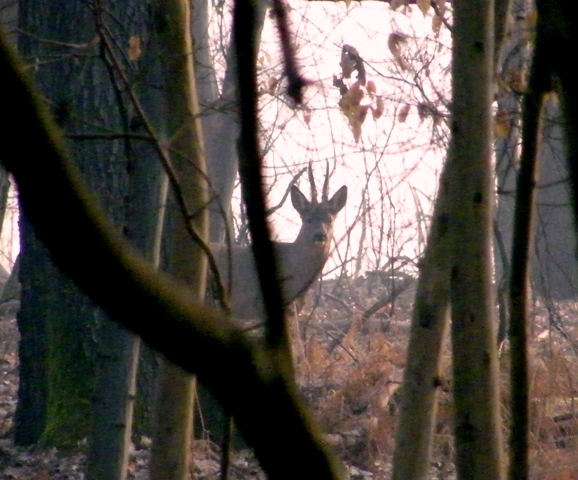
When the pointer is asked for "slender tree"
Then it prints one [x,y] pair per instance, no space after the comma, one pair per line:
[187,220]
[118,348]
[456,270]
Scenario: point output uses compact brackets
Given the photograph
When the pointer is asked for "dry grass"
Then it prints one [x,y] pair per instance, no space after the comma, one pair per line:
[350,369]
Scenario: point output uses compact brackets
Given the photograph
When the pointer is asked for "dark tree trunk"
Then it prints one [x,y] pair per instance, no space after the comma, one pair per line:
[50,363]
[555,272]
[77,83]
[30,419]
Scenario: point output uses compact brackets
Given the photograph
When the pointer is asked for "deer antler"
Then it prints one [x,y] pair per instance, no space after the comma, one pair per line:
[325,192]
[312,183]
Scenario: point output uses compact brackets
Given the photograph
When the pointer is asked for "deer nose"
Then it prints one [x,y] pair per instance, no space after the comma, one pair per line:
[320,237]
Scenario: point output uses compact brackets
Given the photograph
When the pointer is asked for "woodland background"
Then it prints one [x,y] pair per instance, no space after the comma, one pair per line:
[109,77]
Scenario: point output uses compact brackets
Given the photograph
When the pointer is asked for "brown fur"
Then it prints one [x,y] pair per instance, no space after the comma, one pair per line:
[300,262]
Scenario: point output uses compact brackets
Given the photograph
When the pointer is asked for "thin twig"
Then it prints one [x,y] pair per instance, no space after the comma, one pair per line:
[286,194]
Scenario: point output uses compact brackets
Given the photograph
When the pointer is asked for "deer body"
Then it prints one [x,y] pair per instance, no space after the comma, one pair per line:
[300,262]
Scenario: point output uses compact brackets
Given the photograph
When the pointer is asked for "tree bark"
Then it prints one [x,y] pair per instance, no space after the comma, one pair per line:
[83,92]
[186,261]
[475,365]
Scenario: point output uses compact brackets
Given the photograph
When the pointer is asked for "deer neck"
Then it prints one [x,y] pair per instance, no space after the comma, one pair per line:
[301,263]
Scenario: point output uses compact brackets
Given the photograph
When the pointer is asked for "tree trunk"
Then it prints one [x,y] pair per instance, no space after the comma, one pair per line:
[119,348]
[555,273]
[513,63]
[187,210]
[221,126]
[82,94]
[475,366]
[457,267]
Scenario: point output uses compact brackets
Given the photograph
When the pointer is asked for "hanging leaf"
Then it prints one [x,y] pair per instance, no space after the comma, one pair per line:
[424,6]
[423,110]
[356,121]
[516,79]
[502,124]
[395,43]
[350,102]
[348,61]
[403,112]
[395,4]
[351,61]
[377,111]
[272,84]
[436,24]
[371,88]
[264,58]
[350,105]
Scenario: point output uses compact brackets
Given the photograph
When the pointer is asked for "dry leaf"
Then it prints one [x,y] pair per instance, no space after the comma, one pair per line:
[356,121]
[502,124]
[516,79]
[371,88]
[351,61]
[272,84]
[348,61]
[403,112]
[395,4]
[395,43]
[355,93]
[437,118]
[424,6]
[423,109]
[265,58]
[436,24]
[351,107]
[134,50]
[377,111]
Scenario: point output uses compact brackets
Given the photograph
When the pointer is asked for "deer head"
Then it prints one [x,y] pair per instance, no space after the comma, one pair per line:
[300,261]
[317,217]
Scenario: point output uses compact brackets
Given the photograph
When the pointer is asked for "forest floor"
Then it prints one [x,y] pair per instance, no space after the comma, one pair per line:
[349,368]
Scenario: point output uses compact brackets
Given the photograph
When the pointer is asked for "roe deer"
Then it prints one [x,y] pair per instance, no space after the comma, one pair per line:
[300,262]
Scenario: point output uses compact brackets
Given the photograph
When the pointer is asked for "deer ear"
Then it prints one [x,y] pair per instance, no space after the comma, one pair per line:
[338,200]
[299,201]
